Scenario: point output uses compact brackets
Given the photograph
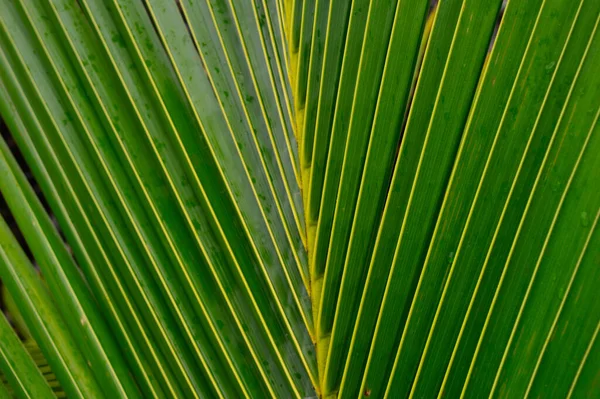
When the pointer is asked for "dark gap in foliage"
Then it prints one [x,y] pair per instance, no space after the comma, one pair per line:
[7,215]
[497,25]
[5,383]
[4,209]
[189,31]
[151,18]
[187,28]
[12,224]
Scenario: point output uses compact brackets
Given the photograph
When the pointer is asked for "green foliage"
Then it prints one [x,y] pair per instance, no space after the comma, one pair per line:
[285,198]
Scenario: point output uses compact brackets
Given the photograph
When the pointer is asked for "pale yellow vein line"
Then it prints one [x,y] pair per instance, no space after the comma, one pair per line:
[287,134]
[284,64]
[229,191]
[78,308]
[311,84]
[542,253]
[261,102]
[40,320]
[94,236]
[278,252]
[67,148]
[468,223]
[302,49]
[561,307]
[408,207]
[197,238]
[471,303]
[269,181]
[337,211]
[378,238]
[541,169]
[8,363]
[202,247]
[438,224]
[162,278]
[494,300]
[175,251]
[583,361]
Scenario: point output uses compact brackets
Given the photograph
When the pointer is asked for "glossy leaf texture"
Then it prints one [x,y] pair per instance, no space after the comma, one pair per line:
[161,134]
[439,161]
[300,199]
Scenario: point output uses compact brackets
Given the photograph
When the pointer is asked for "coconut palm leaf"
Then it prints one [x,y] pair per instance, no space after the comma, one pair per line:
[285,198]
[23,373]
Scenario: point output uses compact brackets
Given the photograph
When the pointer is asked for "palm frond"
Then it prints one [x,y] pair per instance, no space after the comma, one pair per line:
[24,375]
[284,198]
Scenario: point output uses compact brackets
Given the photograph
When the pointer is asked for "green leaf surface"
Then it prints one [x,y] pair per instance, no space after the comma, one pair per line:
[301,199]
[333,122]
[368,135]
[44,320]
[64,280]
[61,201]
[4,393]
[419,178]
[18,367]
[568,343]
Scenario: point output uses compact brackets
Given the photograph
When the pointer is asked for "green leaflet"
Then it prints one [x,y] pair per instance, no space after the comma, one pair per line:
[11,308]
[587,371]
[365,139]
[73,149]
[125,162]
[419,178]
[301,199]
[574,328]
[61,202]
[322,88]
[64,281]
[18,368]
[335,120]
[544,205]
[454,295]
[304,52]
[46,324]
[307,115]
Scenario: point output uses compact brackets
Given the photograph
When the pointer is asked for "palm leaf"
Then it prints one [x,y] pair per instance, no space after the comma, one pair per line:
[284,198]
[24,374]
